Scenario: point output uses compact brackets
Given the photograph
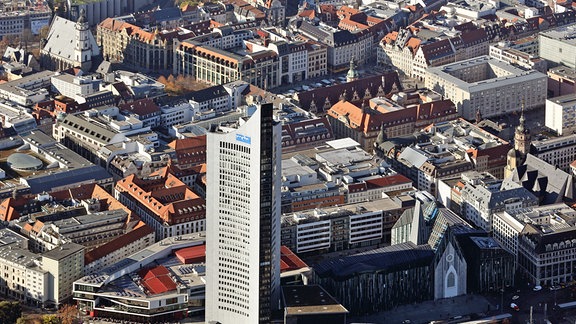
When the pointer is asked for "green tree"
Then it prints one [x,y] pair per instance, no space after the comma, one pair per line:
[10,311]
[21,320]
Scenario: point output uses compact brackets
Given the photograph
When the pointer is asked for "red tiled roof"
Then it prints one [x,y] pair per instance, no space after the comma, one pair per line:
[157,280]
[141,107]
[7,211]
[188,143]
[192,254]
[140,231]
[387,181]
[290,261]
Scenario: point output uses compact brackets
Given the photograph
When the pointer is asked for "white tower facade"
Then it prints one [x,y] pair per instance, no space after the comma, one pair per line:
[243,220]
[83,46]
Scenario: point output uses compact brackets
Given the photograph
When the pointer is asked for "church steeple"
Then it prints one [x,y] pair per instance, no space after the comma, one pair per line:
[522,141]
[522,137]
[82,46]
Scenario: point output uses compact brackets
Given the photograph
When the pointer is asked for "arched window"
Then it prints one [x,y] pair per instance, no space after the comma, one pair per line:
[451,280]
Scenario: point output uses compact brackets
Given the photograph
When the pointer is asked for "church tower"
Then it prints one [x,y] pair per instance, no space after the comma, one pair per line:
[522,142]
[522,137]
[82,48]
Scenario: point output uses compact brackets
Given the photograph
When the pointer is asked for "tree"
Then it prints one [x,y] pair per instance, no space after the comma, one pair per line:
[21,320]
[43,32]
[68,314]
[50,319]
[10,311]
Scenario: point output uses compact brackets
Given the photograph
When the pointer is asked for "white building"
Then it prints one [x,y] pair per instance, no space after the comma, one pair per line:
[23,278]
[561,114]
[483,195]
[559,151]
[75,87]
[243,238]
[179,113]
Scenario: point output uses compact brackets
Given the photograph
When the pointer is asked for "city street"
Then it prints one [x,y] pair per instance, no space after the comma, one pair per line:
[475,306]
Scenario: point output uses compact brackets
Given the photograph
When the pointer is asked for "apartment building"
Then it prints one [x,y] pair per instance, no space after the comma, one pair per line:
[343,45]
[444,150]
[561,113]
[412,55]
[561,81]
[24,279]
[483,195]
[117,249]
[317,59]
[65,265]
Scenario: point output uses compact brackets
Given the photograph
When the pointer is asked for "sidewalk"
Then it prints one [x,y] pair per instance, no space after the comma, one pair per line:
[426,312]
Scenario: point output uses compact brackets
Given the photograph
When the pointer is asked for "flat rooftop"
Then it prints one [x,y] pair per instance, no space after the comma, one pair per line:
[310,300]
[565,34]
[568,100]
[507,74]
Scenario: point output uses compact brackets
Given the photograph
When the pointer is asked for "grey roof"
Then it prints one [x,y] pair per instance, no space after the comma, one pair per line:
[90,129]
[565,34]
[24,161]
[387,259]
[515,74]
[22,257]
[60,41]
[171,13]
[413,156]
[63,251]
[207,94]
[491,199]
[552,183]
[47,182]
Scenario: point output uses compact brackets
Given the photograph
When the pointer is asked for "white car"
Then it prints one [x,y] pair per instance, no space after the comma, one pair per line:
[537,288]
[515,297]
[515,307]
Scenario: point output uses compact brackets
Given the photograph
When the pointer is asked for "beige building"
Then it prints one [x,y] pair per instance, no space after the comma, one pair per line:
[216,66]
[412,55]
[138,48]
[65,264]
[488,86]
[317,59]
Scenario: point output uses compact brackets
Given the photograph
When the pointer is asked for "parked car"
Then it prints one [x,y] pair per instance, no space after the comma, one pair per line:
[537,288]
[515,297]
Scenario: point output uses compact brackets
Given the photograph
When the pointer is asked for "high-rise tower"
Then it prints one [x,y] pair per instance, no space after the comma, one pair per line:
[243,220]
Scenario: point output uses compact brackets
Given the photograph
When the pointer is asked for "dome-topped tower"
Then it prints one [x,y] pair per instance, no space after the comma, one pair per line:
[352,72]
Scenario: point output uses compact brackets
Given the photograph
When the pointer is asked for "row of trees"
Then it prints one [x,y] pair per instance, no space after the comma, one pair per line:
[178,85]
[11,312]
